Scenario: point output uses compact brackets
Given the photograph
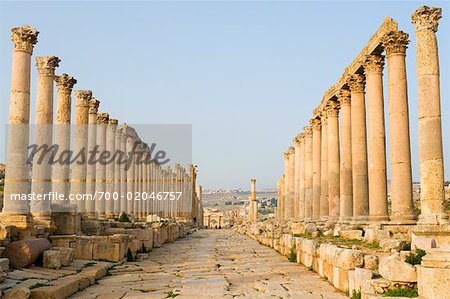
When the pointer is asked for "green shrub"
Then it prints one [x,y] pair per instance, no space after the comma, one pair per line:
[123,217]
[293,255]
[130,257]
[399,292]
[356,295]
[416,259]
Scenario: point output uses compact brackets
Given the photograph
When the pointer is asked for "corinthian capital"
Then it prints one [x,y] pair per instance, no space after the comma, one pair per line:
[373,63]
[46,65]
[395,42]
[315,123]
[83,97]
[102,118]
[344,96]
[356,82]
[333,108]
[65,83]
[24,38]
[291,150]
[93,106]
[426,18]
[308,131]
[113,121]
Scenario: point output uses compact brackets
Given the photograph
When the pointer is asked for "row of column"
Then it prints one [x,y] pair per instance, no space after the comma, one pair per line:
[93,167]
[336,170]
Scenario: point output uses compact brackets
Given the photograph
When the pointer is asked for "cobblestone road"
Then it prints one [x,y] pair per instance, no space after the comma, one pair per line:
[211,264]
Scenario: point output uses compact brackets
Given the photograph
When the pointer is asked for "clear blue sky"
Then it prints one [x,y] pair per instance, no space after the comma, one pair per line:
[246,75]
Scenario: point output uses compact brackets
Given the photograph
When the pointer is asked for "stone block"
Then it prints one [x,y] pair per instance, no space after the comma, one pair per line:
[433,282]
[84,248]
[66,255]
[309,247]
[4,264]
[52,259]
[361,276]
[392,268]
[348,259]
[371,262]
[393,244]
[17,293]
[62,288]
[422,243]
[372,235]
[354,234]
[340,279]
[310,228]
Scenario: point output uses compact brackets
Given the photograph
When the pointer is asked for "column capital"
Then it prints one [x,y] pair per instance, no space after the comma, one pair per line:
[316,123]
[291,150]
[82,98]
[395,42]
[356,82]
[46,65]
[93,106]
[373,64]
[102,118]
[24,38]
[113,121]
[298,138]
[286,154]
[333,108]
[344,96]
[426,18]
[65,83]
[308,131]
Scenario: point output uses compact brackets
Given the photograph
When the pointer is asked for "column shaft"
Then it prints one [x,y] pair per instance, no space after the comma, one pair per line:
[308,174]
[345,148]
[333,161]
[316,140]
[324,206]
[110,168]
[91,166]
[100,169]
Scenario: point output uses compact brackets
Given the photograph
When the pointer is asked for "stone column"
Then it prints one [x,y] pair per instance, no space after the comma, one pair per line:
[345,148]
[41,171]
[297,157]
[308,173]
[253,208]
[356,83]
[80,145]
[137,181]
[118,174]
[287,180]
[324,206]
[291,182]
[123,171]
[432,195]
[130,174]
[92,147]
[61,172]
[280,188]
[395,43]
[316,144]
[302,177]
[376,144]
[333,161]
[110,167]
[100,170]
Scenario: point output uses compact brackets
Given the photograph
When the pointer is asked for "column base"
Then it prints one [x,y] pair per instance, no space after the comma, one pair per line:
[440,233]
[379,218]
[360,220]
[403,219]
[433,219]
[110,215]
[22,221]
[43,221]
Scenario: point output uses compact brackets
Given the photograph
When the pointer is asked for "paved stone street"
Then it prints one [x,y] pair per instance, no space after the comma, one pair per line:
[212,264]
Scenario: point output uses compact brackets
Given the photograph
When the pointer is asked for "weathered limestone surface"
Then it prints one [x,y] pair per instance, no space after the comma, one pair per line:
[212,264]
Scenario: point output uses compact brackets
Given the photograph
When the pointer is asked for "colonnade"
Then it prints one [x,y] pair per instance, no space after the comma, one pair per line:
[93,168]
[336,170]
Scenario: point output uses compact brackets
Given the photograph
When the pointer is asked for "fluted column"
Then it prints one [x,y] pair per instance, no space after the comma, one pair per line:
[345,148]
[80,145]
[395,43]
[118,173]
[376,143]
[287,180]
[41,171]
[123,171]
[356,83]
[333,161]
[301,204]
[297,158]
[137,181]
[61,171]
[130,173]
[91,166]
[17,212]
[316,140]
[291,182]
[110,167]
[308,173]
[432,195]
[253,212]
[100,170]
[324,207]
